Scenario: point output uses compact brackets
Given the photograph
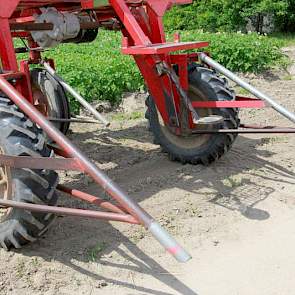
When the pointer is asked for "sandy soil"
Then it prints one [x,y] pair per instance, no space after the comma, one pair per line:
[236,217]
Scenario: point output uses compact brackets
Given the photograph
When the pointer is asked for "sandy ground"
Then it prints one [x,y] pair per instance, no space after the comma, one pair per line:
[236,217]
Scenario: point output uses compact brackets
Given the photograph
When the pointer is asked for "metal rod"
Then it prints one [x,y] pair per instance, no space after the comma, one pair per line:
[32,26]
[227,73]
[255,126]
[48,26]
[76,95]
[70,211]
[246,131]
[73,121]
[90,199]
[91,169]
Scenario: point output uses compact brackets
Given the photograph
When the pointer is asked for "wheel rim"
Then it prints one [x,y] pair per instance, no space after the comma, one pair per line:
[41,102]
[5,188]
[192,141]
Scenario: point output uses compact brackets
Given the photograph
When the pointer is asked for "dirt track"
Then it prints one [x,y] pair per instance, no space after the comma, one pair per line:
[236,217]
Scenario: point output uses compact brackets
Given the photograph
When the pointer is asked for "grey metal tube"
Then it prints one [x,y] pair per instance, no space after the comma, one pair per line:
[76,95]
[227,73]
[168,242]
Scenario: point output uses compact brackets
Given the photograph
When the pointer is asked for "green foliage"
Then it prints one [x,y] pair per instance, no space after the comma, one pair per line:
[241,52]
[95,252]
[286,19]
[97,70]
[228,15]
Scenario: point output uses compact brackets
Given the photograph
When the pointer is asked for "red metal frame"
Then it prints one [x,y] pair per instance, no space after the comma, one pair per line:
[144,38]
[239,102]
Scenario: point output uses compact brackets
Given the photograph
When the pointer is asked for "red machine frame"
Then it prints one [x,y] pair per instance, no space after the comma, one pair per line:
[143,38]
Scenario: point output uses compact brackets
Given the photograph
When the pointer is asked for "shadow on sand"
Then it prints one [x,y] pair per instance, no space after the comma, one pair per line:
[247,155]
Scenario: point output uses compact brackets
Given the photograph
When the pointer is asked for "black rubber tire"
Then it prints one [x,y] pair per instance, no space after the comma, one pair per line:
[58,102]
[209,85]
[20,137]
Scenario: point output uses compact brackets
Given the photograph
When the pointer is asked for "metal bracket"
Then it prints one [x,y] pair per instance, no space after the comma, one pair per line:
[163,68]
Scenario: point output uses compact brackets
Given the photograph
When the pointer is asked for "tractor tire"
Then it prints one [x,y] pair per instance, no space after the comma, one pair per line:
[50,95]
[20,137]
[204,84]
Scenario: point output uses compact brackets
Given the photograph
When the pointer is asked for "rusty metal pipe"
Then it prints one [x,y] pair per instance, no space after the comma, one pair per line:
[31,26]
[92,170]
[70,211]
[48,26]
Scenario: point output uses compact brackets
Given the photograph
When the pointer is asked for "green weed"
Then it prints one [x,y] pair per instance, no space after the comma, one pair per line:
[95,252]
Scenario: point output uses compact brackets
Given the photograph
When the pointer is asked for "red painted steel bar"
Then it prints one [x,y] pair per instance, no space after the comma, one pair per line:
[7,49]
[251,103]
[90,199]
[70,211]
[163,48]
[130,22]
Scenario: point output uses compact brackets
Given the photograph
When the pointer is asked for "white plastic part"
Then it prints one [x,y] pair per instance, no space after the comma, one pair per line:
[66,26]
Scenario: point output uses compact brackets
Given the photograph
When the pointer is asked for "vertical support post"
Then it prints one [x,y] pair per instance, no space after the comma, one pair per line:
[146,65]
[130,23]
[35,56]
[7,53]
[25,83]
[156,23]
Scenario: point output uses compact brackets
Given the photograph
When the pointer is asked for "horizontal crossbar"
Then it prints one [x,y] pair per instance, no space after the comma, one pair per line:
[251,103]
[163,48]
[41,163]
[70,211]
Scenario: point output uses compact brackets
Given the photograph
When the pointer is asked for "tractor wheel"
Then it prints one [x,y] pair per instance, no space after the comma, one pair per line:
[50,98]
[204,85]
[20,137]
